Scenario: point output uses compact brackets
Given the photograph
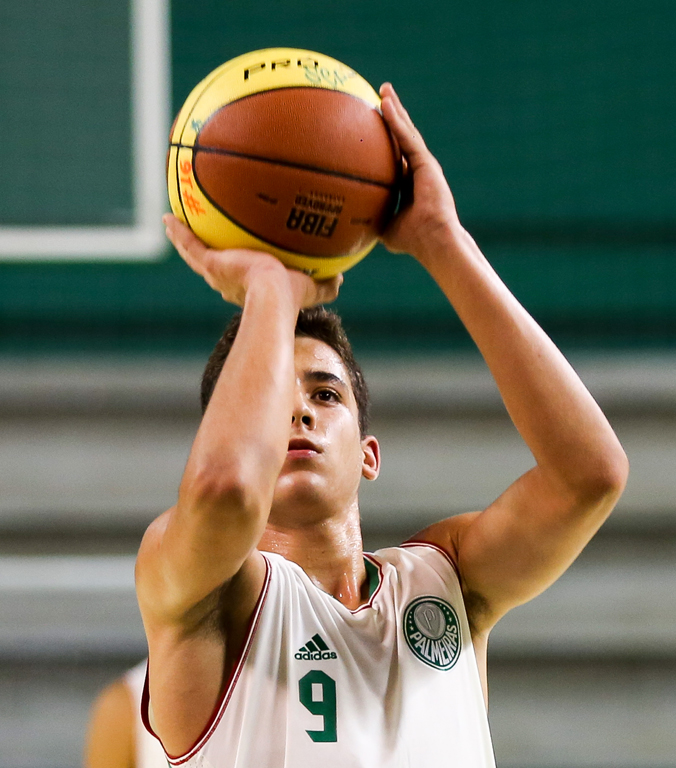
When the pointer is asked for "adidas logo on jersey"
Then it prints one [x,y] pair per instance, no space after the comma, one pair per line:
[315,650]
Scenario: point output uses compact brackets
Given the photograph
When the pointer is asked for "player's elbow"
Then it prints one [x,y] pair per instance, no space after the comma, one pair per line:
[230,491]
[613,472]
[604,481]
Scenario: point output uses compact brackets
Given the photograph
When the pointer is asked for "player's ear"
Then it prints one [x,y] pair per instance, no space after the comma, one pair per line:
[370,467]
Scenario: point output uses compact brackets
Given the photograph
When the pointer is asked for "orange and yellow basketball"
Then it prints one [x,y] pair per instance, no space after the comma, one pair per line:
[286,151]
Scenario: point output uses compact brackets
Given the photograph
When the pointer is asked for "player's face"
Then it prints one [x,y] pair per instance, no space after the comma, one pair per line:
[326,455]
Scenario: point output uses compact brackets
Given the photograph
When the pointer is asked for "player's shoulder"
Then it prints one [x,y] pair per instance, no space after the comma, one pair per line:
[444,536]
[409,555]
[417,568]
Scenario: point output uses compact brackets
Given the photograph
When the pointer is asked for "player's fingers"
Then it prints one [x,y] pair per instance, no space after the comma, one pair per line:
[387,90]
[328,289]
[207,260]
[183,238]
[401,125]
[185,254]
[190,248]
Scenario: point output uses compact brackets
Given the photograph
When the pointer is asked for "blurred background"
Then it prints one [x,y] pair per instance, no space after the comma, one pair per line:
[555,125]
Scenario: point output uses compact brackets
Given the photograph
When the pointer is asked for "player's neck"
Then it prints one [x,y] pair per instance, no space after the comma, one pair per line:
[329,551]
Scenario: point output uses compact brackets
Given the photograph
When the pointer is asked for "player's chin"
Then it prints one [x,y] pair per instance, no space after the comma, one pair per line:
[298,483]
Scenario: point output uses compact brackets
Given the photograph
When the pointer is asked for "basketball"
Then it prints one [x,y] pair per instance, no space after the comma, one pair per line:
[285,151]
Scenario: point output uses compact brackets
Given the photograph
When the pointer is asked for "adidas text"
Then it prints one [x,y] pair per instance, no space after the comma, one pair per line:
[316,656]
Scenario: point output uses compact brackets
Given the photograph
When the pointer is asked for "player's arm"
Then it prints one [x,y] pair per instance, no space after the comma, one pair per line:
[522,542]
[110,737]
[192,552]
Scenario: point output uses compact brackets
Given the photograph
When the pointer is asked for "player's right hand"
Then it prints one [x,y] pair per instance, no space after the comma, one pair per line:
[231,272]
[430,214]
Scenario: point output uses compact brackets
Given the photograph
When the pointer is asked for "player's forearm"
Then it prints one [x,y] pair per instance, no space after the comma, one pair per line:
[243,438]
[562,425]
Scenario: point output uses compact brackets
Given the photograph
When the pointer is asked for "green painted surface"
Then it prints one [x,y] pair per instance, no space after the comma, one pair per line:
[554,125]
[65,113]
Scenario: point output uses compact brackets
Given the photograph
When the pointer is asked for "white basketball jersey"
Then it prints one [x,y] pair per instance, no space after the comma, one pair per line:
[148,752]
[393,684]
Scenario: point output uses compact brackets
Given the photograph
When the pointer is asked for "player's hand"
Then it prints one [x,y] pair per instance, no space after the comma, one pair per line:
[231,272]
[430,212]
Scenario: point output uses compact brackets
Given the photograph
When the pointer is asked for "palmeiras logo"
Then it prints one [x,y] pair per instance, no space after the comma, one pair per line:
[432,631]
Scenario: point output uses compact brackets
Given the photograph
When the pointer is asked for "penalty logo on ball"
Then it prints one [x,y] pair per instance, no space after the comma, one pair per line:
[432,631]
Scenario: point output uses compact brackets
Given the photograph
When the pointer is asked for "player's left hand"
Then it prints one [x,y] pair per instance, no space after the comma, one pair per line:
[430,213]
[231,272]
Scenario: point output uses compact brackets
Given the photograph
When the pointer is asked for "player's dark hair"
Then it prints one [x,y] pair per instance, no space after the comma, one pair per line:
[314,323]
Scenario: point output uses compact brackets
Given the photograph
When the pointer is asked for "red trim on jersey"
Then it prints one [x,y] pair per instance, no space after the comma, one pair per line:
[421,543]
[222,703]
[379,566]
[145,701]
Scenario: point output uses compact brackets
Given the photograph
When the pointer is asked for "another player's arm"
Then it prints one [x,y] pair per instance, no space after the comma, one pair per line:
[522,542]
[191,552]
[110,736]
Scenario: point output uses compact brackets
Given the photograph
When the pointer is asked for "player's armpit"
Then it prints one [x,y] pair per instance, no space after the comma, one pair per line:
[191,654]
[183,566]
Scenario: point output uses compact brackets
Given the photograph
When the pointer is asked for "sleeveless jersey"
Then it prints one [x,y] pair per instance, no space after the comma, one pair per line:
[148,752]
[393,684]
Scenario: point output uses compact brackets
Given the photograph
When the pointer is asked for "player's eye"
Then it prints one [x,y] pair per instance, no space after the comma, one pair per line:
[327,395]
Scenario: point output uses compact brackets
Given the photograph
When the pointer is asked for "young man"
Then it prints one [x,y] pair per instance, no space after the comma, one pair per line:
[273,640]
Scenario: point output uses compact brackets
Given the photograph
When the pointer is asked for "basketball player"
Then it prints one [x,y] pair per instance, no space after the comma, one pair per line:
[116,737]
[274,640]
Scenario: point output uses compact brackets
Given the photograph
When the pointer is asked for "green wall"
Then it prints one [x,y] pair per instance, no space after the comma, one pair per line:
[64,113]
[554,123]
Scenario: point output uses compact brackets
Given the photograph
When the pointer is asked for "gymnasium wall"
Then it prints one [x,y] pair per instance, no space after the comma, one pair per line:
[554,123]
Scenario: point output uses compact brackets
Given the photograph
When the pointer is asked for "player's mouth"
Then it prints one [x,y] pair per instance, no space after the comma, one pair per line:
[301,448]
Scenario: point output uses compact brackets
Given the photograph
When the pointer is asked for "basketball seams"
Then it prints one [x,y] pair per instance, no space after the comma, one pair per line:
[285,164]
[290,164]
[178,186]
[263,240]
[228,216]
[207,83]
[354,86]
[226,68]
[312,86]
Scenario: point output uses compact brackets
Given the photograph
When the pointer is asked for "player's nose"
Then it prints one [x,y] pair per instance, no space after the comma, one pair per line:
[305,418]
[302,413]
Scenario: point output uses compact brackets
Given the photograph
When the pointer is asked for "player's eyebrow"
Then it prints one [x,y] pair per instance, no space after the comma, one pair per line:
[324,377]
